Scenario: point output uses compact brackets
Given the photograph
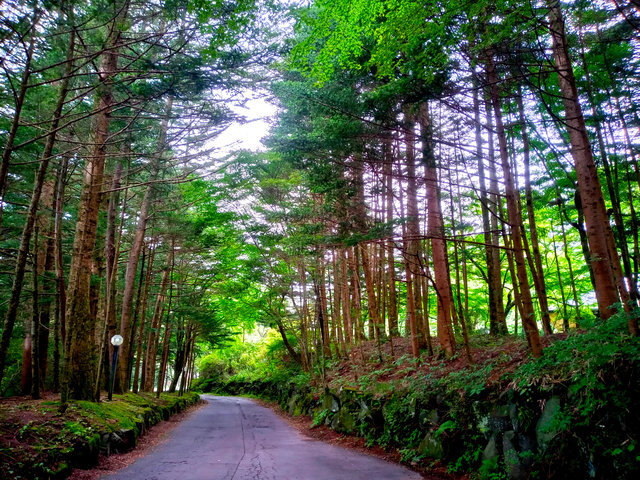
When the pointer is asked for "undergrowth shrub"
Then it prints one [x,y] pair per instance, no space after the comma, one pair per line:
[596,373]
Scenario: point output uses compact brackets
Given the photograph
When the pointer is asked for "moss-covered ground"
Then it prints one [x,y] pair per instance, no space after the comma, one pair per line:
[38,442]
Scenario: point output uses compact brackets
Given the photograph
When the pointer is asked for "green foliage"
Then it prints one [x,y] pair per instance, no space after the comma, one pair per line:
[235,358]
[320,416]
[263,359]
[76,428]
[589,362]
[490,469]
[595,373]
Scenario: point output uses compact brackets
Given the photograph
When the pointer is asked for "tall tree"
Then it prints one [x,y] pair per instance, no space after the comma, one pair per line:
[80,359]
[605,263]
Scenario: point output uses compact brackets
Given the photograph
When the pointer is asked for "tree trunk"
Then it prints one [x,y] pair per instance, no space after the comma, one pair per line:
[513,213]
[413,254]
[346,306]
[390,245]
[151,352]
[35,325]
[180,359]
[598,228]
[165,354]
[15,124]
[372,301]
[111,256]
[78,380]
[134,256]
[27,356]
[355,289]
[536,264]
[495,200]
[411,306]
[143,317]
[21,262]
[323,304]
[304,341]
[425,308]
[61,297]
[436,234]
[46,270]
[59,262]
[336,310]
[494,283]
[136,317]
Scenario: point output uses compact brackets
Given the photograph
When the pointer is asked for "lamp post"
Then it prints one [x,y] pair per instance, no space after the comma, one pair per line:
[116,341]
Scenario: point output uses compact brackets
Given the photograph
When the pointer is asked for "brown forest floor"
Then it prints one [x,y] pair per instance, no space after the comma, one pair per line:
[393,361]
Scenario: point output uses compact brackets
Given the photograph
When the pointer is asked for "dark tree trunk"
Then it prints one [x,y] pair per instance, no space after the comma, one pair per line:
[21,262]
[435,233]
[143,317]
[78,381]
[535,263]
[152,346]
[13,129]
[513,213]
[35,325]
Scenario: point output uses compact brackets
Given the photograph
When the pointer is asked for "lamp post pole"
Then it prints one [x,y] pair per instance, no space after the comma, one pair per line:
[116,341]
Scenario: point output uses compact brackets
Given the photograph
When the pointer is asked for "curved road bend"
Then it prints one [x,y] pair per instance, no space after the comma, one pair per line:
[236,439]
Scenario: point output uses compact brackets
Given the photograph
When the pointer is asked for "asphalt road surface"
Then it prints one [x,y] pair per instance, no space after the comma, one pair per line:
[236,439]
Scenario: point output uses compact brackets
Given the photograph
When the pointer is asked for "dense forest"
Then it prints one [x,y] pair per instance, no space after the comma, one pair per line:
[436,173]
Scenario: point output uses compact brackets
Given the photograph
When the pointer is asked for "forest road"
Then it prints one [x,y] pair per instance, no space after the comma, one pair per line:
[234,438]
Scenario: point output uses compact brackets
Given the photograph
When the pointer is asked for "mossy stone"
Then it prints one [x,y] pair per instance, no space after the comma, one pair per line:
[431,447]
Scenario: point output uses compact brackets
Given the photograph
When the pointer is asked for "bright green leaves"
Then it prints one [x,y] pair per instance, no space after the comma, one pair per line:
[226,21]
[389,39]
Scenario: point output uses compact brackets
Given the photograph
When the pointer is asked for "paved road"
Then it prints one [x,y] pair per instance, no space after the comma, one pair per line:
[236,439]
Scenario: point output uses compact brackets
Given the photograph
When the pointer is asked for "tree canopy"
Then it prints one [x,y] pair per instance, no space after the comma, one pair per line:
[439,171]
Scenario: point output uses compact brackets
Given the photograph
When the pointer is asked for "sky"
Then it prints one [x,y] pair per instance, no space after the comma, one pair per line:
[259,114]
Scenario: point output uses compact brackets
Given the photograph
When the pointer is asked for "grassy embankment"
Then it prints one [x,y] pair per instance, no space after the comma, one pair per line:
[39,442]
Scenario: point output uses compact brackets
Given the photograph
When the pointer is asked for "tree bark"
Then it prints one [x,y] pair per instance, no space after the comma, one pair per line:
[372,300]
[495,200]
[336,311]
[304,340]
[346,306]
[435,233]
[46,271]
[143,318]
[151,352]
[390,245]
[15,123]
[35,326]
[535,265]
[411,324]
[413,254]
[134,256]
[111,255]
[513,213]
[162,372]
[598,228]
[78,380]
